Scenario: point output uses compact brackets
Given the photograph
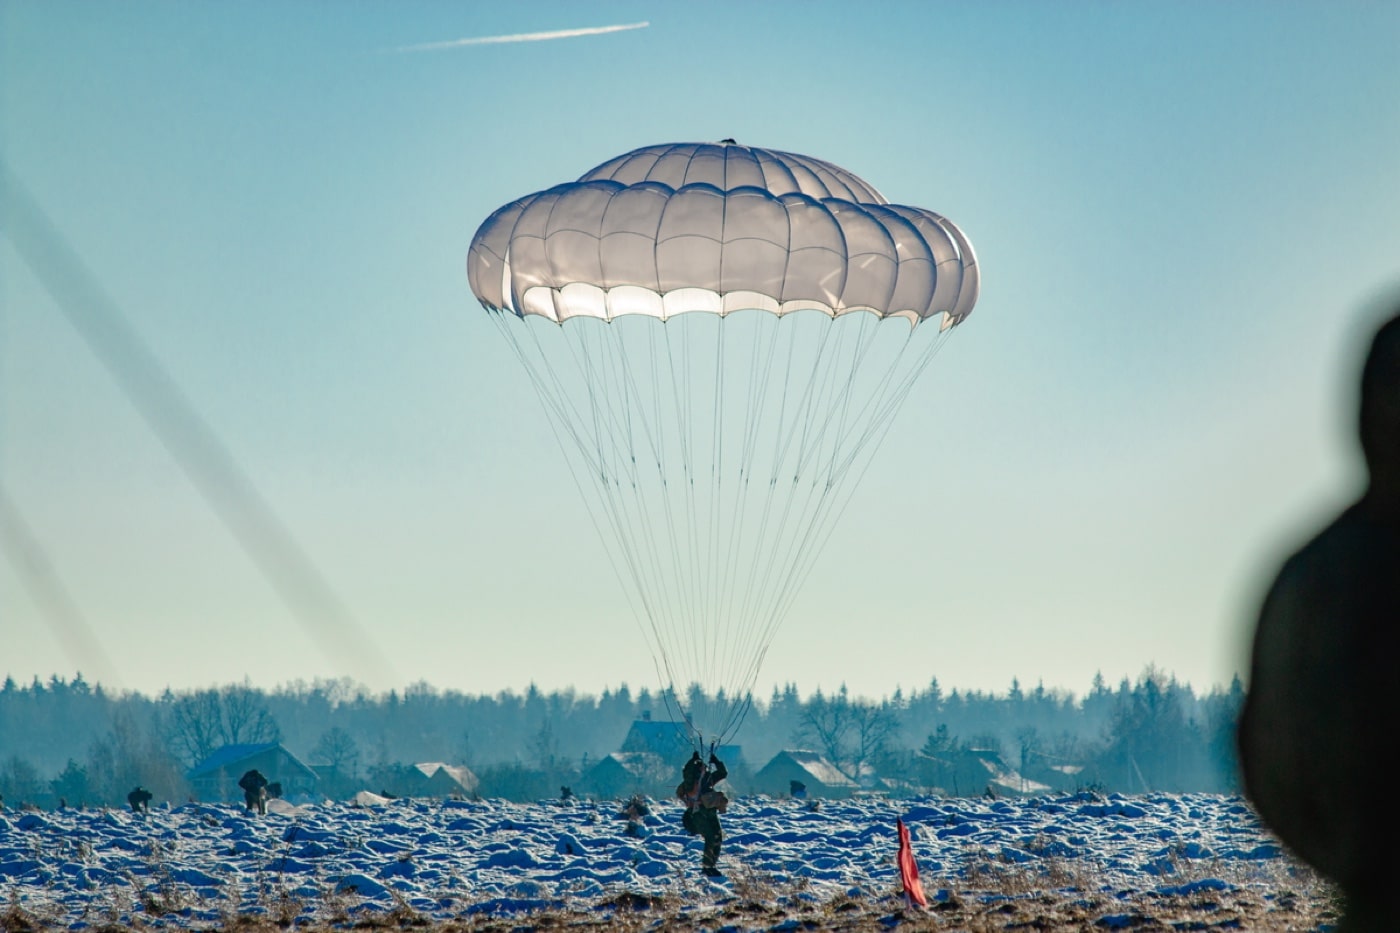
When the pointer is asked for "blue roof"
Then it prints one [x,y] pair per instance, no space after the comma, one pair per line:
[228,755]
[668,739]
[658,735]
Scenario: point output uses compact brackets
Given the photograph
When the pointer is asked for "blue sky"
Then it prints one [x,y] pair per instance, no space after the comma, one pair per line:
[1184,215]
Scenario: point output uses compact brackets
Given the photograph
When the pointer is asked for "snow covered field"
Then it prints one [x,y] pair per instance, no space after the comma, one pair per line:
[199,865]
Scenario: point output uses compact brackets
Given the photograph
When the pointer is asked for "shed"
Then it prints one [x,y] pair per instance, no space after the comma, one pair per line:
[427,779]
[822,778]
[970,772]
[436,779]
[621,774]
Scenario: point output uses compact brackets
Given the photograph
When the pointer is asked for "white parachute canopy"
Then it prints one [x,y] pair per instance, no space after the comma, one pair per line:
[686,313]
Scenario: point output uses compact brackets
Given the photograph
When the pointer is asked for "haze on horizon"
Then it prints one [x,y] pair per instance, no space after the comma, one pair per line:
[1184,216]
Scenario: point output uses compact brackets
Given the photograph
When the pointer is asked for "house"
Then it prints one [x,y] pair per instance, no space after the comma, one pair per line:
[436,779]
[428,779]
[817,774]
[670,742]
[622,774]
[1058,774]
[970,772]
[216,777]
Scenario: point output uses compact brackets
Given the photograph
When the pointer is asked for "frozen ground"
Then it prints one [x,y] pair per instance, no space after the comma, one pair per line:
[199,865]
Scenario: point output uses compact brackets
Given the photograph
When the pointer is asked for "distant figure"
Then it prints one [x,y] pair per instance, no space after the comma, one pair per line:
[633,811]
[566,792]
[798,789]
[254,790]
[1322,712]
[140,799]
[703,805]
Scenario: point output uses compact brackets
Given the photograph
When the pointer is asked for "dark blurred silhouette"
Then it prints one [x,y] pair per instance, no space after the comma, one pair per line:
[140,799]
[254,790]
[1322,713]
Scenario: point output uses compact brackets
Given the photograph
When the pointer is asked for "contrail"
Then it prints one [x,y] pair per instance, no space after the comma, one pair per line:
[521,37]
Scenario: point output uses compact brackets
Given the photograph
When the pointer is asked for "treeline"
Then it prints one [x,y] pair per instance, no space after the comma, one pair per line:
[73,741]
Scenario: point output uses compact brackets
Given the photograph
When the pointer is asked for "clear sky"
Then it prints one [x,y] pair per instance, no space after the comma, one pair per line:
[1184,215]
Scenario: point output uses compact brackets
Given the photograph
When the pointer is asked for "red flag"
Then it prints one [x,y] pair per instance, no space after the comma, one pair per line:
[909,869]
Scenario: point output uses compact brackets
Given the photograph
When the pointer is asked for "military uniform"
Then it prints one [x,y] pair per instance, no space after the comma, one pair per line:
[704,804]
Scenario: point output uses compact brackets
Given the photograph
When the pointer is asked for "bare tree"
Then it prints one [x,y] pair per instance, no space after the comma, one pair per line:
[850,733]
[198,724]
[826,723]
[338,748]
[132,753]
[872,727]
[246,718]
[192,725]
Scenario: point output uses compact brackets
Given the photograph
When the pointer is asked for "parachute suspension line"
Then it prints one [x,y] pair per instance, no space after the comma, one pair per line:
[712,491]
[803,500]
[759,541]
[825,435]
[675,644]
[665,619]
[812,543]
[797,505]
[623,538]
[783,460]
[669,494]
[864,342]
[782,490]
[641,530]
[886,396]
[555,404]
[896,394]
[687,579]
[758,417]
[760,369]
[827,444]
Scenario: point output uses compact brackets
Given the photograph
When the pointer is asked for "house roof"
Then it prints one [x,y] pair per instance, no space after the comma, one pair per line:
[229,755]
[814,764]
[655,735]
[669,740]
[637,764]
[459,773]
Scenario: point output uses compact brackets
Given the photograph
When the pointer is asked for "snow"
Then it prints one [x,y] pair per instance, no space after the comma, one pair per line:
[195,864]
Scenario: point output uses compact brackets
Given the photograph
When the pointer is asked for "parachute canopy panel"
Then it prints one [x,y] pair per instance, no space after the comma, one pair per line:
[709,227]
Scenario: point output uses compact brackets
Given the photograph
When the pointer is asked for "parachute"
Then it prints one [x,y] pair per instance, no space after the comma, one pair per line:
[720,336]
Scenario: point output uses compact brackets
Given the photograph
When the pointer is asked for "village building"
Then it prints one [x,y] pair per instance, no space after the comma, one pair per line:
[432,779]
[216,777]
[819,776]
[972,772]
[669,741]
[622,774]
[650,761]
